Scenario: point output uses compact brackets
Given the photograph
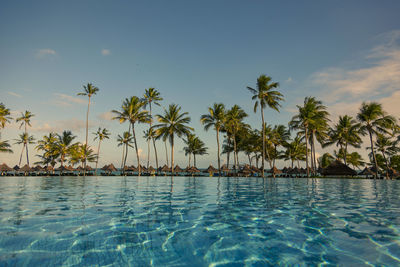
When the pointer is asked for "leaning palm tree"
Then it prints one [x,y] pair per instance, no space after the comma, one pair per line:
[150,96]
[24,139]
[133,113]
[374,120]
[173,122]
[89,91]
[346,132]
[264,96]
[215,119]
[4,115]
[101,134]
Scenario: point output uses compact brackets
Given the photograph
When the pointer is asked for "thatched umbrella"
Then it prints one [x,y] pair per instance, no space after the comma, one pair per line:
[275,170]
[37,168]
[26,168]
[165,168]
[104,168]
[367,172]
[211,169]
[62,169]
[294,171]
[338,168]
[177,169]
[5,168]
[88,168]
[151,169]
[225,168]
[49,168]
[246,169]
[130,169]
[111,168]
[16,168]
[192,170]
[284,170]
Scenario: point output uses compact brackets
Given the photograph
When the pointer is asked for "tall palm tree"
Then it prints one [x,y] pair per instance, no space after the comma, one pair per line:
[309,116]
[4,115]
[173,122]
[280,137]
[233,124]
[374,120]
[25,120]
[89,91]
[189,148]
[150,96]
[125,141]
[133,113]
[215,119]
[101,134]
[81,153]
[346,132]
[199,149]
[387,147]
[24,139]
[325,160]
[355,159]
[63,145]
[264,96]
[149,135]
[295,151]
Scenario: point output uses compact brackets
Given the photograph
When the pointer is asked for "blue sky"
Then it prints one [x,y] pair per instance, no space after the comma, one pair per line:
[195,54]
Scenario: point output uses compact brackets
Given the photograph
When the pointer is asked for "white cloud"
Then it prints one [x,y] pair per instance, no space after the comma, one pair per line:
[74,124]
[45,52]
[106,116]
[67,100]
[105,52]
[14,94]
[379,77]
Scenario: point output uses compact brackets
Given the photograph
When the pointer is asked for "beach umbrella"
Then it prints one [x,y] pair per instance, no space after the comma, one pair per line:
[192,169]
[130,168]
[151,169]
[25,168]
[104,168]
[275,170]
[165,169]
[246,169]
[16,168]
[211,169]
[338,168]
[62,169]
[111,168]
[5,168]
[37,168]
[49,168]
[225,168]
[284,170]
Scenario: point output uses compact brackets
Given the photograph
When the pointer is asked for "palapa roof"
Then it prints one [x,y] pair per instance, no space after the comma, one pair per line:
[211,169]
[16,168]
[49,168]
[26,168]
[225,168]
[130,168]
[111,168]
[284,170]
[177,169]
[192,169]
[275,170]
[165,168]
[295,170]
[367,171]
[5,168]
[37,168]
[104,168]
[62,169]
[246,168]
[151,169]
[338,168]
[303,171]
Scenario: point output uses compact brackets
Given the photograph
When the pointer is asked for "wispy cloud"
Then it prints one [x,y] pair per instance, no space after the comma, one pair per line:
[67,100]
[106,116]
[14,94]
[105,52]
[74,124]
[379,77]
[45,52]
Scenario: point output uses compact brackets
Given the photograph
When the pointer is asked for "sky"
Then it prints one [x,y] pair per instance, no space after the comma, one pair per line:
[195,53]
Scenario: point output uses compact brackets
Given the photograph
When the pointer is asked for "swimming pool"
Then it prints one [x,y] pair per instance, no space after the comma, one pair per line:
[198,221]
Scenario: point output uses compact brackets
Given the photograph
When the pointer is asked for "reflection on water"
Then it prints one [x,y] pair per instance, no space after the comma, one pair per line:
[180,220]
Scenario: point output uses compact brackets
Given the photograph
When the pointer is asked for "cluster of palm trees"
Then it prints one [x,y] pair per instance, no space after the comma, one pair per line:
[295,142]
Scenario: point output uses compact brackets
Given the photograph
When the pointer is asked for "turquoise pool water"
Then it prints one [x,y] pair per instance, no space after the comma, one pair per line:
[189,221]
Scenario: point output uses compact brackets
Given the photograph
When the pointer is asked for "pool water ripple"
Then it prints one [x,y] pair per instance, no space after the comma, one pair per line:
[198,221]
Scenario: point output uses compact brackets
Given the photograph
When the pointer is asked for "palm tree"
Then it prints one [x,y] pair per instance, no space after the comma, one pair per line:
[173,122]
[295,151]
[4,115]
[309,116]
[387,147]
[355,159]
[81,153]
[5,147]
[101,134]
[132,112]
[233,124]
[48,145]
[374,120]
[325,160]
[89,91]
[280,136]
[24,139]
[151,95]
[265,95]
[189,148]
[125,141]
[194,146]
[345,132]
[63,145]
[215,119]
[25,120]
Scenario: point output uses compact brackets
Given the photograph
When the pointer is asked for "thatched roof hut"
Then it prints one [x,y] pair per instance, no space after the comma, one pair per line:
[62,169]
[130,169]
[225,168]
[49,168]
[294,171]
[338,168]
[192,169]
[38,168]
[16,168]
[275,170]
[5,168]
[177,169]
[284,170]
[211,169]
[111,168]
[367,172]
[151,169]
[165,168]
[25,168]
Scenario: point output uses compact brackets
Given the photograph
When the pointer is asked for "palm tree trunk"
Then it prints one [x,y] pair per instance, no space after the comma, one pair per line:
[136,148]
[87,133]
[219,160]
[234,153]
[228,153]
[194,160]
[20,158]
[248,156]
[190,159]
[27,155]
[148,153]
[373,154]
[172,154]
[166,151]
[345,154]
[155,152]
[387,165]
[263,141]
[97,160]
[306,137]
[311,150]
[122,160]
